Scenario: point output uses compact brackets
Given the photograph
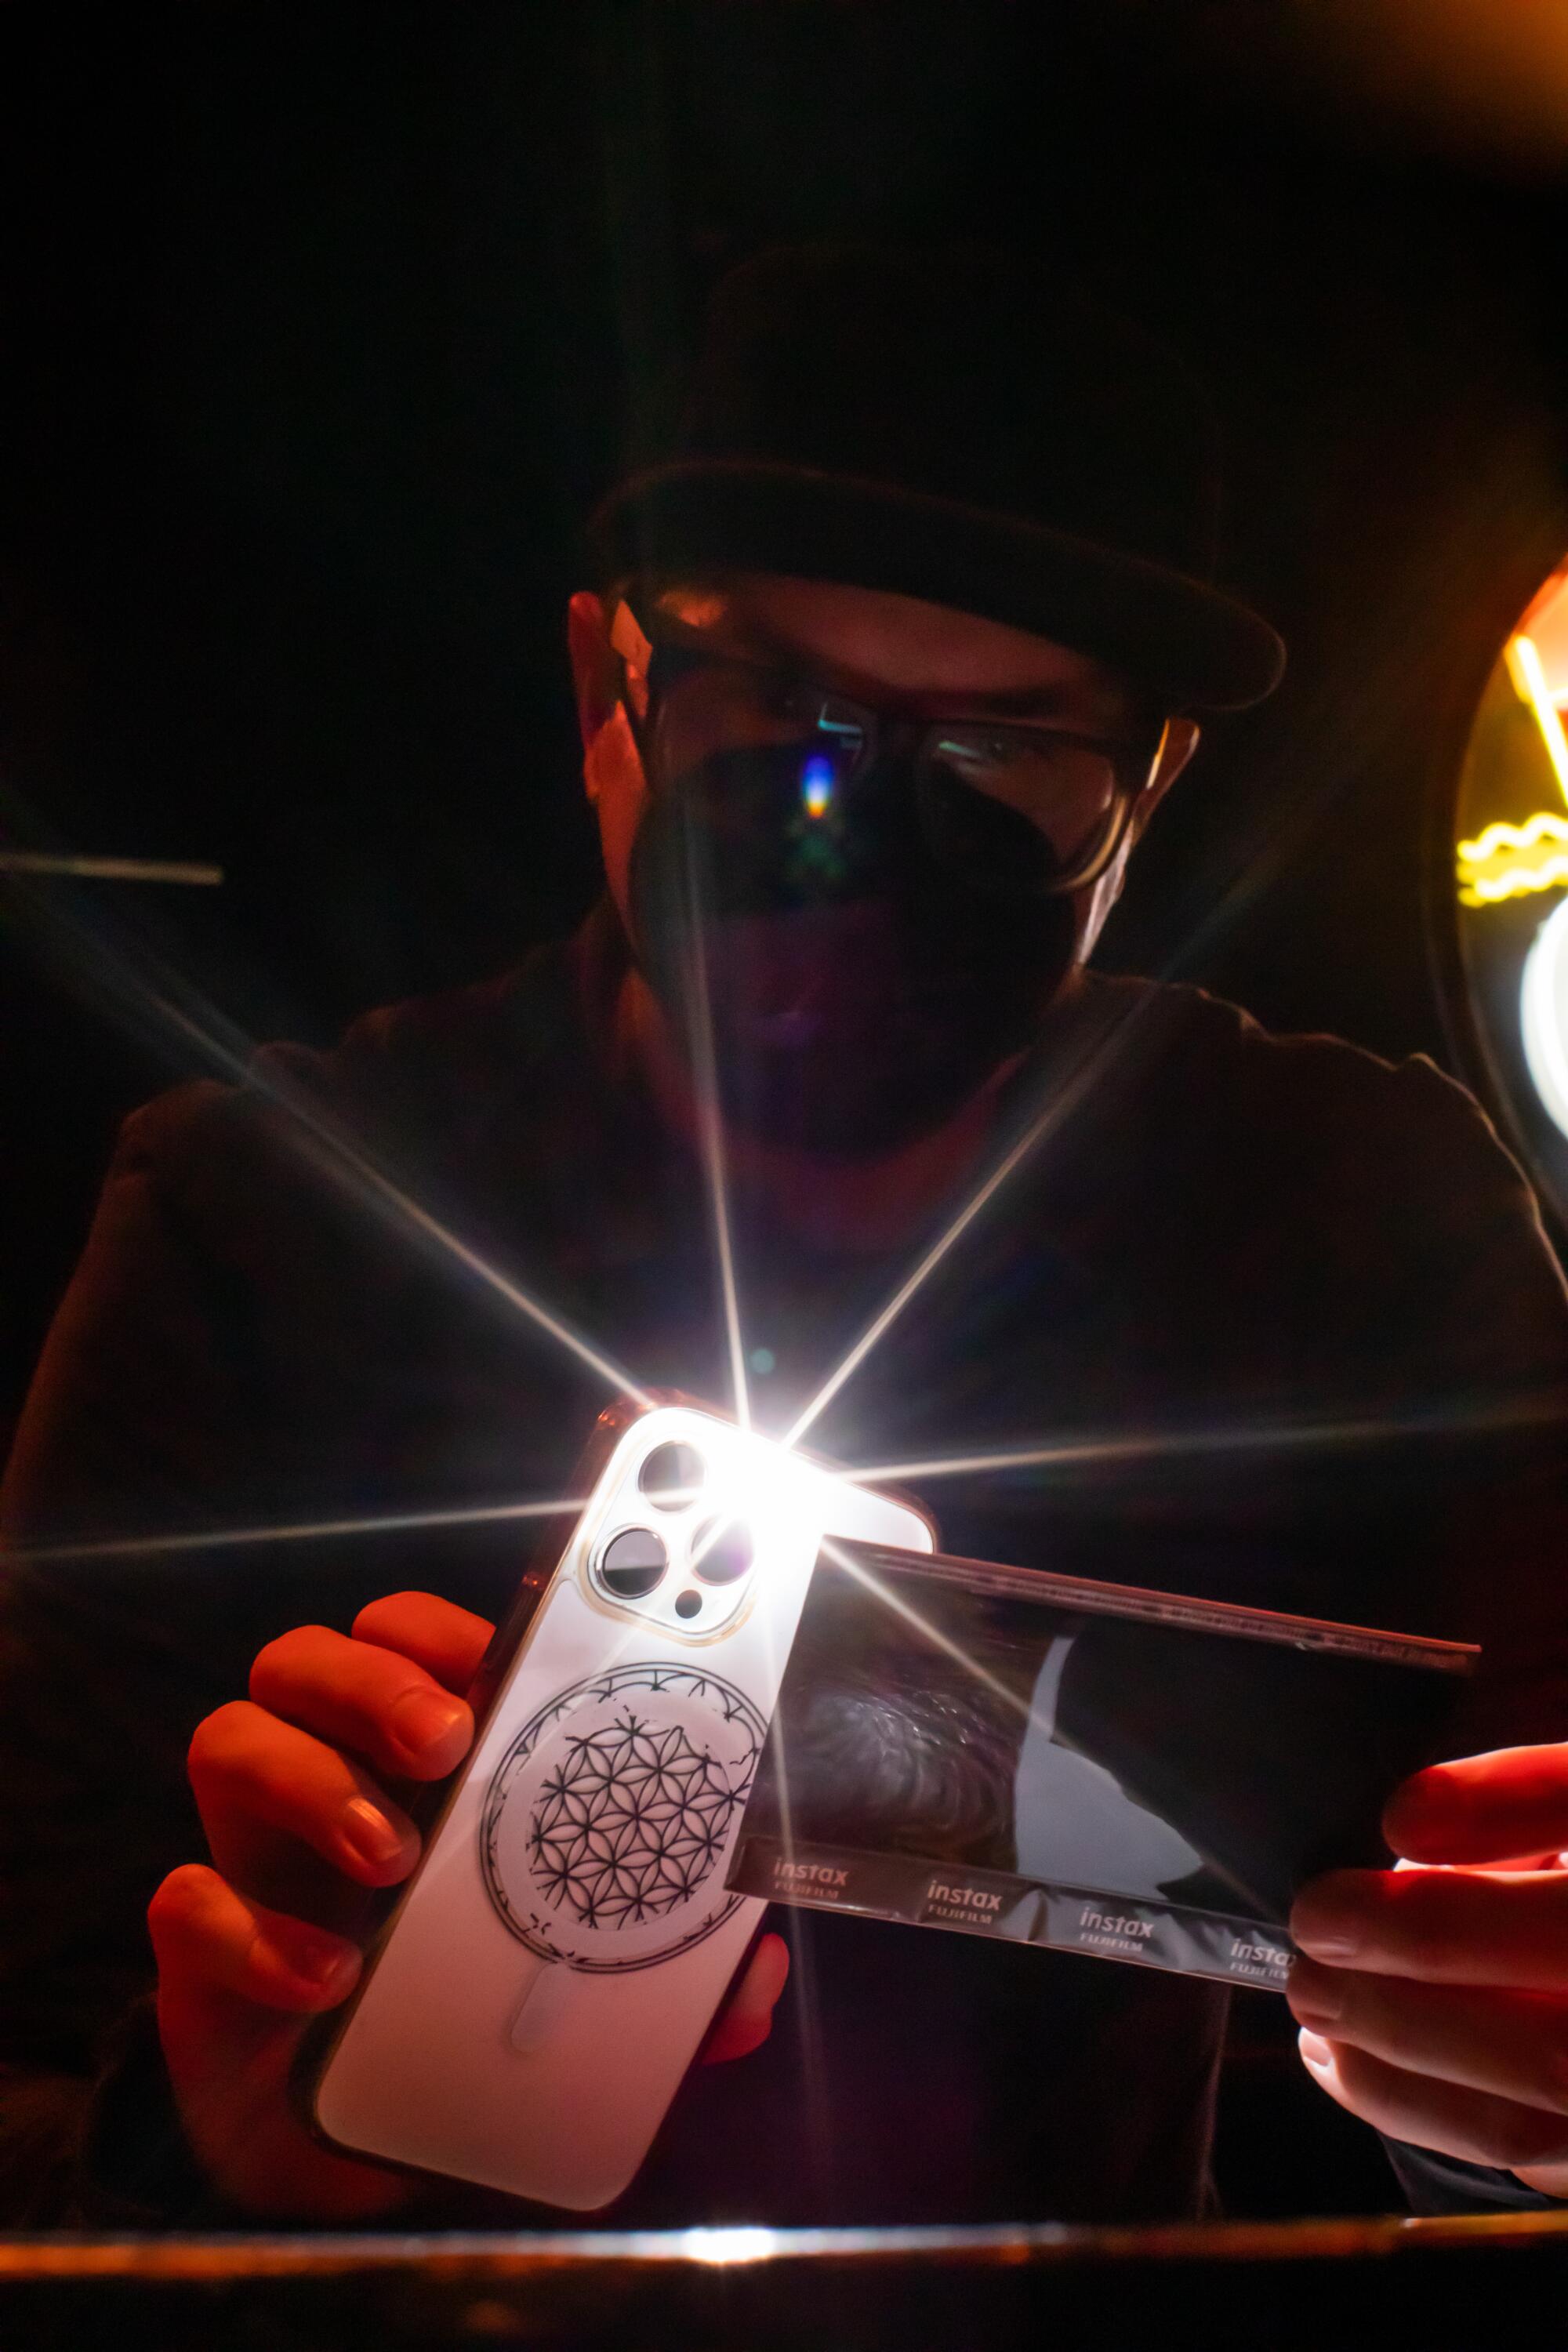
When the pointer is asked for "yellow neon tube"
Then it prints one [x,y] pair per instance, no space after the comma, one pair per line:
[1506,850]
[1543,826]
[1515,884]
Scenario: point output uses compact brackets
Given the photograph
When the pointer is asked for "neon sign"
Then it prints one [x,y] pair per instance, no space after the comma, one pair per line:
[1511,848]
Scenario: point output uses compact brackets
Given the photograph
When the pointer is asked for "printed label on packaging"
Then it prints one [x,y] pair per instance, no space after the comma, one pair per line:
[993,1903]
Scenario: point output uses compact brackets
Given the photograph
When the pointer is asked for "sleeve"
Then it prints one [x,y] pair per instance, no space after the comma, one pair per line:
[1459,1272]
[105,1666]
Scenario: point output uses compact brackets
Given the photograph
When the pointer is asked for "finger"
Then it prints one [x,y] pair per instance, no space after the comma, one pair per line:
[205,1935]
[748,2019]
[356,1695]
[446,1641]
[1483,1808]
[1440,1926]
[1439,2115]
[248,1769]
[1511,2045]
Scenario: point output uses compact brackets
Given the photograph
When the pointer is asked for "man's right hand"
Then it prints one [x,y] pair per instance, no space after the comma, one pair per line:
[293,1786]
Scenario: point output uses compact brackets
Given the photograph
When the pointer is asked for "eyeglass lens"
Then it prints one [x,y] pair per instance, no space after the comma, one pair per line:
[1021,810]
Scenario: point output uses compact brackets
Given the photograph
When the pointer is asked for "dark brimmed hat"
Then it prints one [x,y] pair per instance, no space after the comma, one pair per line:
[960,427]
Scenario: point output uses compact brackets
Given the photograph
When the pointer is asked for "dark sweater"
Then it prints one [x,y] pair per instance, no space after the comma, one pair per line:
[1223,1230]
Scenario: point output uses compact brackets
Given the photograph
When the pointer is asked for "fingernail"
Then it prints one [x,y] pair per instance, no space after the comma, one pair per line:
[1322,1930]
[377,1840]
[1315,2050]
[425,1721]
[1315,1998]
[323,1964]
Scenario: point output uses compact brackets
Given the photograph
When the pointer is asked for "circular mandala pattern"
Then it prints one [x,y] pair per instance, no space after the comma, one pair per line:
[612,1810]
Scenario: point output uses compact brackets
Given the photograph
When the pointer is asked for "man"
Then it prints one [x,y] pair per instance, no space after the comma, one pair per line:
[891,662]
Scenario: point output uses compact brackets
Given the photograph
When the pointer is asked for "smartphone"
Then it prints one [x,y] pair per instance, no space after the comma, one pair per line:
[545,1979]
[1135,1775]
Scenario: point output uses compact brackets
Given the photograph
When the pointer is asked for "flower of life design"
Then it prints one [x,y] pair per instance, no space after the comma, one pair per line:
[610,1815]
[630,1821]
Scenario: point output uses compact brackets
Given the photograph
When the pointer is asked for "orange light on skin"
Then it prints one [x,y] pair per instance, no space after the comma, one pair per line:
[695,608]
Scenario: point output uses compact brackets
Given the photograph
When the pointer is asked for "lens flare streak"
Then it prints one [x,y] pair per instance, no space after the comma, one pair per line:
[1256,1437]
[711,1138]
[380,1523]
[179,870]
[221,1047]
[1060,1107]
[910,1616]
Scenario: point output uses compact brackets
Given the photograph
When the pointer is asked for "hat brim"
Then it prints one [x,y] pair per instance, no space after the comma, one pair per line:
[1174,636]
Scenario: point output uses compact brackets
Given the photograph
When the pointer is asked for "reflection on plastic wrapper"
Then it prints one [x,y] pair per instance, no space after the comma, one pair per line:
[1088,1767]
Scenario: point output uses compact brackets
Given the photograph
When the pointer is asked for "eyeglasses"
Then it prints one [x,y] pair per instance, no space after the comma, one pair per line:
[1020,810]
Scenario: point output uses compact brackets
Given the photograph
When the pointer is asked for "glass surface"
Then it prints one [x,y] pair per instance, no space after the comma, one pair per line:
[632,1562]
[1024,809]
[721,1553]
[671,1476]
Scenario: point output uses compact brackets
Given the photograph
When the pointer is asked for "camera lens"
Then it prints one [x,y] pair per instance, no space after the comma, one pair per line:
[671,1476]
[632,1562]
[722,1552]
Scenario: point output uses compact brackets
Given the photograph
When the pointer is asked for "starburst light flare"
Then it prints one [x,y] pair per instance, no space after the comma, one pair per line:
[1057,1107]
[154,1000]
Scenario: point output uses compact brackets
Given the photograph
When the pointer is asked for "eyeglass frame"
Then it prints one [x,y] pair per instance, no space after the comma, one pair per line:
[888,730]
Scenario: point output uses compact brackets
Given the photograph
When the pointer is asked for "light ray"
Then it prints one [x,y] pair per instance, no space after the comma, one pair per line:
[882,1592]
[1059,1107]
[380,1523]
[221,1046]
[1240,1438]
[812,2074]
[710,1134]
[112,869]
[360,1174]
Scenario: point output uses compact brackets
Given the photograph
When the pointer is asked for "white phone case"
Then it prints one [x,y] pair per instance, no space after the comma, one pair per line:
[556,1960]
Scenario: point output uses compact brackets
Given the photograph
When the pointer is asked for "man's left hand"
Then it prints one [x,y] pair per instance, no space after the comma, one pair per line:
[1434,1998]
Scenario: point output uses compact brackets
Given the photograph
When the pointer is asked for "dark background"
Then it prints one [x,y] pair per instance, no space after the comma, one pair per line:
[322,328]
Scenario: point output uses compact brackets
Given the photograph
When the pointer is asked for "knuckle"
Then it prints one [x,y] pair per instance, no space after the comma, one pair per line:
[377,1618]
[285,1655]
[178,1900]
[215,1738]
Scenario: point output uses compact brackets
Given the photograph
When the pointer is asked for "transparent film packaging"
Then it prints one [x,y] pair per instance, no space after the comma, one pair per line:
[1085,1767]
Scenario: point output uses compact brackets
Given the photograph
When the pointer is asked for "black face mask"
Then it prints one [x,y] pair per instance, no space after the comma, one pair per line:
[861,988]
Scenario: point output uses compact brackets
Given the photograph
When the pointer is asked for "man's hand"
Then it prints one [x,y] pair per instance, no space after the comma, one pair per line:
[1435,1998]
[292,1785]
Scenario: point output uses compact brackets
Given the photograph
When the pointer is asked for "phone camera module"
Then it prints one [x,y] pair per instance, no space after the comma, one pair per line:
[722,1552]
[632,1562]
[671,1476]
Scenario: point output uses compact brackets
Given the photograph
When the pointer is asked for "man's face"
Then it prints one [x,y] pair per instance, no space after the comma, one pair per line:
[857,1022]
